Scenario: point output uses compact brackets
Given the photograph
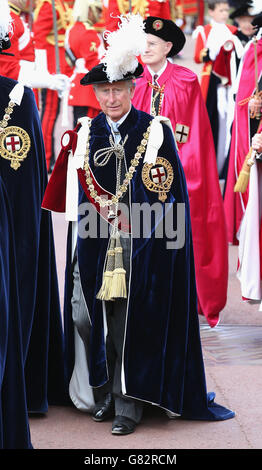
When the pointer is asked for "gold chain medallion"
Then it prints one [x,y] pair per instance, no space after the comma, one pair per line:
[159,177]
[14,145]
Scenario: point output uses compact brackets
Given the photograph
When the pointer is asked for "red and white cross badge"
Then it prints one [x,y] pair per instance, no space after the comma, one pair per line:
[158,174]
[12,143]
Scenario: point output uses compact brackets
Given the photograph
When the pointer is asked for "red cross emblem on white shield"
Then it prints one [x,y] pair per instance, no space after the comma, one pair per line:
[12,143]
[158,175]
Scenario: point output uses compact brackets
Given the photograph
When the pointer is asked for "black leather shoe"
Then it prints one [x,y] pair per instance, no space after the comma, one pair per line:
[104,410]
[123,425]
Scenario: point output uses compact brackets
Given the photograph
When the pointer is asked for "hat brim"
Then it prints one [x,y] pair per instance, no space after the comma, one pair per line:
[244,10]
[257,21]
[98,75]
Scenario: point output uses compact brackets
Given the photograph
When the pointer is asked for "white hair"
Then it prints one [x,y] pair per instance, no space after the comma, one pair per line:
[5,20]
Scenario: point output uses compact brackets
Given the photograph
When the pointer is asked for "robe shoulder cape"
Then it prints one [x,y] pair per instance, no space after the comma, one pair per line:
[183,104]
[41,323]
[14,427]
[162,357]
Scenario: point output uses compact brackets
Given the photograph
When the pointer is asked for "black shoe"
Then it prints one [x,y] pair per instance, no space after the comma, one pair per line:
[105,410]
[123,425]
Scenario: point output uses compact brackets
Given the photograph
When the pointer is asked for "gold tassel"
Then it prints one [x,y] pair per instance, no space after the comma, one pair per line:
[104,292]
[243,178]
[118,286]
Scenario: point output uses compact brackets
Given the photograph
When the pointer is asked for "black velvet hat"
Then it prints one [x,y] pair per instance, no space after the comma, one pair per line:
[98,75]
[243,10]
[257,21]
[5,44]
[166,30]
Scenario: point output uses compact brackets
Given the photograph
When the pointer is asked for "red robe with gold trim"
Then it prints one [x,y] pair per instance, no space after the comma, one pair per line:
[44,37]
[186,107]
[84,42]
[44,32]
[145,8]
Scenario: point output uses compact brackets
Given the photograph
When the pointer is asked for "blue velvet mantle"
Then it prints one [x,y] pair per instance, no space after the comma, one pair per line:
[163,361]
[14,427]
[41,323]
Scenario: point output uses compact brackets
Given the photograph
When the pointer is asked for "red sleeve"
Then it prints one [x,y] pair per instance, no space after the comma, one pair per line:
[43,25]
[198,48]
[89,49]
[9,65]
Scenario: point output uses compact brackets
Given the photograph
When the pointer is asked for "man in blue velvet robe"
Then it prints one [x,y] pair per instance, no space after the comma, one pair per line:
[14,426]
[141,333]
[23,171]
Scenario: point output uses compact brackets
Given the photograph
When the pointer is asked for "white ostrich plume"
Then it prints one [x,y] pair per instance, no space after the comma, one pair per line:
[124,45]
[5,20]
[256,7]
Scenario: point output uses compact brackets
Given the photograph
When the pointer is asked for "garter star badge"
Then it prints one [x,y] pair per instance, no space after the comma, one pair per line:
[159,177]
[14,145]
[157,25]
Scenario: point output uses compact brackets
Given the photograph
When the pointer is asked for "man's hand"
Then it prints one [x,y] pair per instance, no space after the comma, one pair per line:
[255,106]
[257,143]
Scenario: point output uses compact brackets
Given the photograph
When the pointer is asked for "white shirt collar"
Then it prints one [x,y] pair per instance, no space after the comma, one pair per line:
[159,72]
[116,124]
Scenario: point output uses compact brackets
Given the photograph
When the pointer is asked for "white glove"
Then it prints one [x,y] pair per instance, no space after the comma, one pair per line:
[59,82]
[32,77]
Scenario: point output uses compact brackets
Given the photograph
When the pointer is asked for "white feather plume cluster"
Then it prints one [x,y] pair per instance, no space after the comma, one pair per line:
[124,45]
[256,7]
[5,19]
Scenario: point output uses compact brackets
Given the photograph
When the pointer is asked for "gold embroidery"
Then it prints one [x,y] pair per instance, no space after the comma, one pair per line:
[93,47]
[138,6]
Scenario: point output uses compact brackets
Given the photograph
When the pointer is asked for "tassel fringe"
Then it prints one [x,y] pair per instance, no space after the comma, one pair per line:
[243,178]
[104,292]
[118,286]
[114,278]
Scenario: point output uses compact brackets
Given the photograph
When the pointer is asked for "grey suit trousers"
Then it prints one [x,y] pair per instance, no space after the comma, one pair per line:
[116,322]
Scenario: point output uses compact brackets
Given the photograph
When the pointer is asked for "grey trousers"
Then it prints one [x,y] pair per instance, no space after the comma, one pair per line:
[116,323]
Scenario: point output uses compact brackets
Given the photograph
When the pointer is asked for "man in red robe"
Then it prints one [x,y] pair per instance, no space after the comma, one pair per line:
[50,53]
[242,130]
[243,196]
[84,47]
[179,98]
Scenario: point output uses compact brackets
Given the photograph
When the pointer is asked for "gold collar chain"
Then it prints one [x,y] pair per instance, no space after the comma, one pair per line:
[7,116]
[128,175]
[159,91]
